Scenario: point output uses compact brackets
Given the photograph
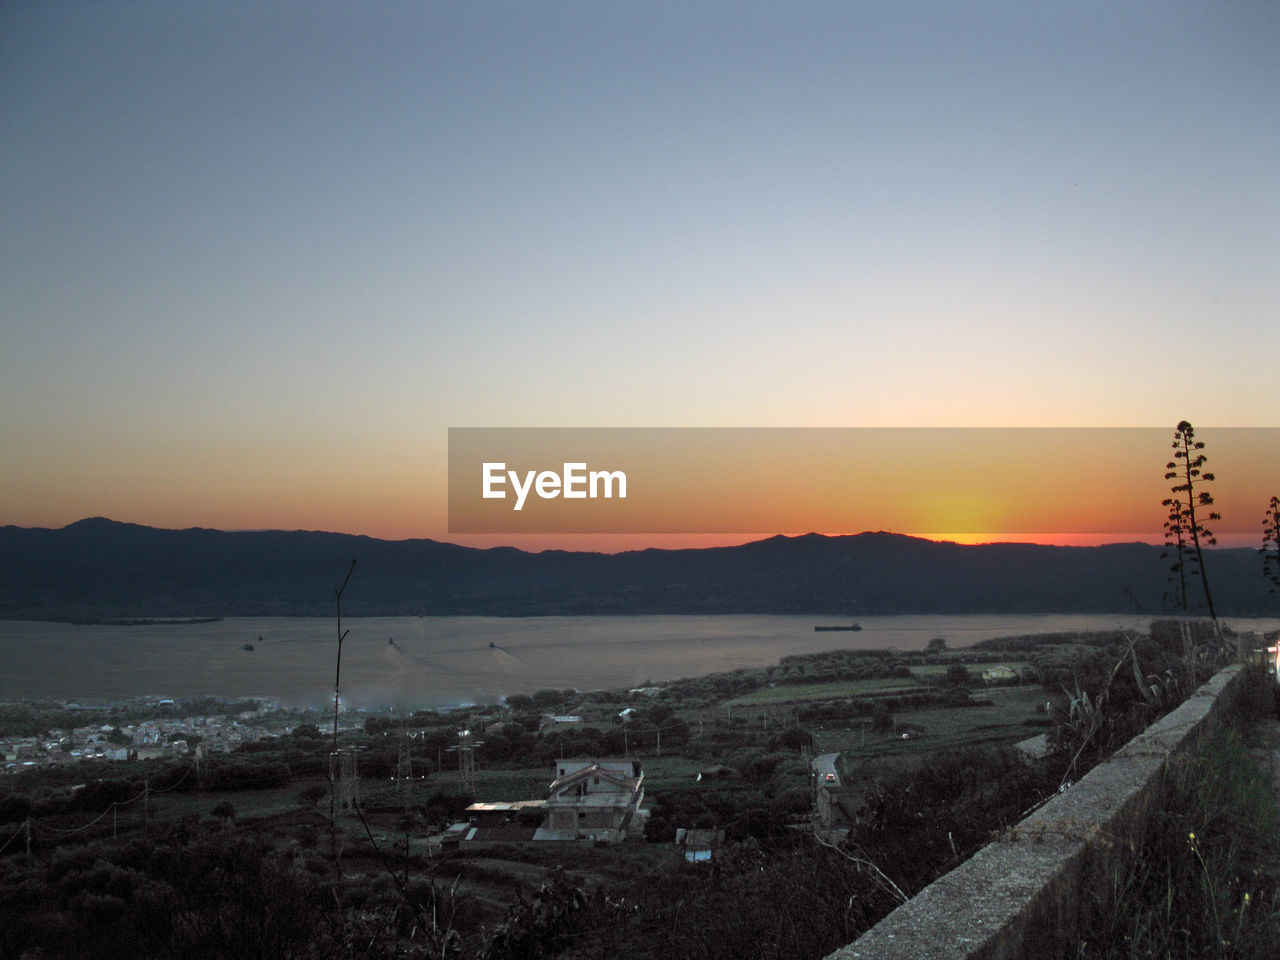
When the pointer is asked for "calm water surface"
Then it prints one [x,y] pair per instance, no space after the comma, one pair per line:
[448,660]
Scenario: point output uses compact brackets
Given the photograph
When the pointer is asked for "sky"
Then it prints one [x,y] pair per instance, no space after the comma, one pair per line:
[257,258]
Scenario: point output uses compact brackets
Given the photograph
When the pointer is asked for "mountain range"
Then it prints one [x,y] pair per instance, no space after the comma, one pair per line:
[99,569]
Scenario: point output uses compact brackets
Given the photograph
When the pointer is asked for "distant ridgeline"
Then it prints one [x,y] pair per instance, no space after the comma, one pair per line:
[97,570]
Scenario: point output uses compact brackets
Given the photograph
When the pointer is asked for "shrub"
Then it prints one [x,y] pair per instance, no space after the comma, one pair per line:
[224,811]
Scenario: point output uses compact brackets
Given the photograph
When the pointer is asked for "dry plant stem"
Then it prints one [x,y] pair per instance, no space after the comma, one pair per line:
[337,673]
[1187,467]
[400,882]
[1208,881]
[889,884]
[333,757]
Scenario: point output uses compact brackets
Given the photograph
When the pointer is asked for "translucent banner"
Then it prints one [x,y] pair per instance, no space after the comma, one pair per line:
[843,480]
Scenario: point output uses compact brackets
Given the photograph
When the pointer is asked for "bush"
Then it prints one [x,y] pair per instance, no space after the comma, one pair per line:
[310,795]
[547,698]
[224,811]
[881,718]
[796,738]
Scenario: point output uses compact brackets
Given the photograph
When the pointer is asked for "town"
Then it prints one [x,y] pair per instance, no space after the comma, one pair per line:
[760,776]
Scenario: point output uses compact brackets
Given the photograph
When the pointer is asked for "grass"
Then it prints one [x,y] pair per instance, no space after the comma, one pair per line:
[664,772]
[799,692]
[1203,882]
[248,803]
[921,678]
[497,786]
[944,728]
[491,786]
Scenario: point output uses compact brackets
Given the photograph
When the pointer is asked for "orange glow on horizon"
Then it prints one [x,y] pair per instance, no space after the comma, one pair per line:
[972,487]
[619,543]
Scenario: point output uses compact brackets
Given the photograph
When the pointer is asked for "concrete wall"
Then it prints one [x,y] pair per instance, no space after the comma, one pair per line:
[1019,897]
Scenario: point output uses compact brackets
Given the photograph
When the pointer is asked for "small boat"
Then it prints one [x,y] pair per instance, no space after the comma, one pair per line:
[852,626]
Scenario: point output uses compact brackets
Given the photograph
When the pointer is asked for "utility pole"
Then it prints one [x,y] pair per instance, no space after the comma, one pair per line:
[404,772]
[467,761]
[348,780]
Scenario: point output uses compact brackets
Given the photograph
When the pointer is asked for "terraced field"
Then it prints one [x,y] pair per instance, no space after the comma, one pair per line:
[830,690]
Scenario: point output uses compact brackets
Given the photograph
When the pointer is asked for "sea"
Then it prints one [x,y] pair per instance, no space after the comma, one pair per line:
[432,662]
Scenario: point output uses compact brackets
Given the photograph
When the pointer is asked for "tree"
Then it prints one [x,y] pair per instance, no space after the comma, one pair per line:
[547,698]
[958,675]
[881,718]
[1189,508]
[936,645]
[796,738]
[1271,543]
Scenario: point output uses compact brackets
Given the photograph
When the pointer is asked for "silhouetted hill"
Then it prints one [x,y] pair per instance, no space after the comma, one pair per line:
[100,569]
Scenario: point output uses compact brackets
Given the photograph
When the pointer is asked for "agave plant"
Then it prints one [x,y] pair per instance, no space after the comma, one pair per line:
[1161,691]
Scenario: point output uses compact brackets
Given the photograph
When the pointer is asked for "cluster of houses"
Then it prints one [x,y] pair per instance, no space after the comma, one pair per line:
[149,740]
[71,746]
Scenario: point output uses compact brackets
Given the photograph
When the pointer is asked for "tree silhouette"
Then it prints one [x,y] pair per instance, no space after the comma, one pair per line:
[1189,508]
[1271,543]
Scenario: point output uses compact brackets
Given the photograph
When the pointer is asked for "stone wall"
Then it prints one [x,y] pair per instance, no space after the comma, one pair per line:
[1019,898]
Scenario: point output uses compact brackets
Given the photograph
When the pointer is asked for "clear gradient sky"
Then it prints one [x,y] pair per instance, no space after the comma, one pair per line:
[256,258]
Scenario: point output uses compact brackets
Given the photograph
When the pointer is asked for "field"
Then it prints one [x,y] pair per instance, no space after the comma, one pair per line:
[931,729]
[495,786]
[932,671]
[831,690]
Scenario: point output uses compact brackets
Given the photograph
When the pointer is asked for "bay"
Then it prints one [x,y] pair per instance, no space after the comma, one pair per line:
[441,661]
